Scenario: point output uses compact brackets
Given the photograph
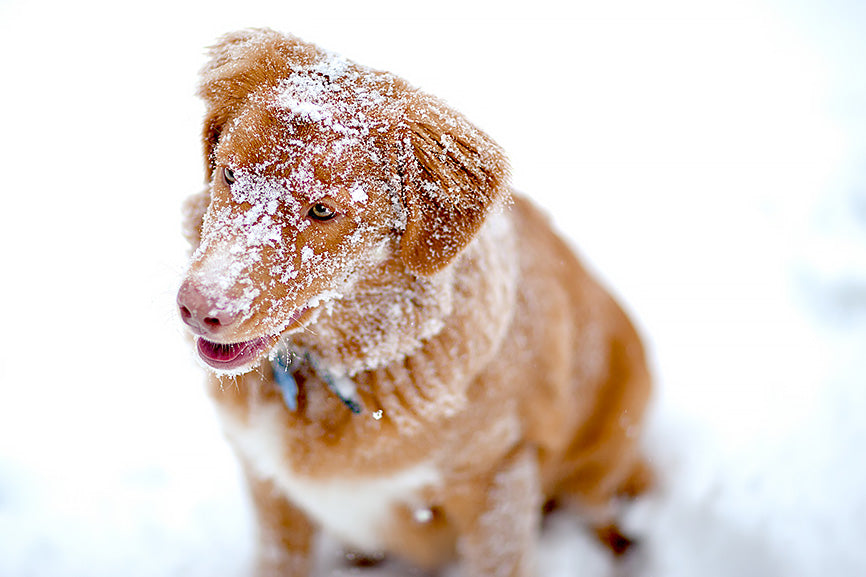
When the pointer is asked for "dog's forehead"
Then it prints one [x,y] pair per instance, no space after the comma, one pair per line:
[334,127]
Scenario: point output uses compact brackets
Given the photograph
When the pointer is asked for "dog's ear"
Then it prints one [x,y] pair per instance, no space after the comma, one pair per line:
[240,63]
[455,176]
[223,87]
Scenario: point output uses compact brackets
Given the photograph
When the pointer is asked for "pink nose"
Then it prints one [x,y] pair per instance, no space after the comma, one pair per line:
[200,313]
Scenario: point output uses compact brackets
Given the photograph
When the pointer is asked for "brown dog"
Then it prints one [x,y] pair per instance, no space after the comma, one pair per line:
[404,353]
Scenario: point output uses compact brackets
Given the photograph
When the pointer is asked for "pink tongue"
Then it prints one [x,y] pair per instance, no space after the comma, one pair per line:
[220,352]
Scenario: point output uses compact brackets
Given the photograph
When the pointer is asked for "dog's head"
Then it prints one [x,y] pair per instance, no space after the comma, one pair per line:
[319,170]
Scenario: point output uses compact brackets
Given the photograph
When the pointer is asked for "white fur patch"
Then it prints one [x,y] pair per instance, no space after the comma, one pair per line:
[354,509]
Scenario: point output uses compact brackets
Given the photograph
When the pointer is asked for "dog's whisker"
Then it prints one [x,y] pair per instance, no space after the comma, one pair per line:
[310,331]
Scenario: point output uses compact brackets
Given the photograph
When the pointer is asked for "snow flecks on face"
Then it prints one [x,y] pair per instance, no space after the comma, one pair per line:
[264,195]
[286,273]
[359,194]
[323,297]
[234,236]
[221,273]
[306,254]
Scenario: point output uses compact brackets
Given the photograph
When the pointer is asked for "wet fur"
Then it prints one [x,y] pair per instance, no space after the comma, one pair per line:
[507,378]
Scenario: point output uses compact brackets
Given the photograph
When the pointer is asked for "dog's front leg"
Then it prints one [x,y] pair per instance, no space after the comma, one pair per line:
[285,534]
[498,519]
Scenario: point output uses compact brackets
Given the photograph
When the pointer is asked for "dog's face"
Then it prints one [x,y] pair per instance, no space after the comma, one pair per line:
[320,170]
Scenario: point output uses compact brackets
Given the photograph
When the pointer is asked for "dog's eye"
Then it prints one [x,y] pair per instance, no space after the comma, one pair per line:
[228,175]
[321,212]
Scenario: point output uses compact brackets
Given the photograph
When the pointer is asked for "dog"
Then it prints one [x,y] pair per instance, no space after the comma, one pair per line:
[402,351]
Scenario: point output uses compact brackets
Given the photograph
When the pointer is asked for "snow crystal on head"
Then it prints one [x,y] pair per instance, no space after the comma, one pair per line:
[306,254]
[263,194]
[359,193]
[333,94]
[334,66]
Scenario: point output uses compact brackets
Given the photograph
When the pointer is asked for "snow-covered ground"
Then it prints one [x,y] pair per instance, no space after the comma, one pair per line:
[708,158]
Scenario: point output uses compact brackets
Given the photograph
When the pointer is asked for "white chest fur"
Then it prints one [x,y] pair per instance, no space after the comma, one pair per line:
[353,509]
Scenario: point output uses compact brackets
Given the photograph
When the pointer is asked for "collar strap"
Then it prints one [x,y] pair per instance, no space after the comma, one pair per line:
[285,363]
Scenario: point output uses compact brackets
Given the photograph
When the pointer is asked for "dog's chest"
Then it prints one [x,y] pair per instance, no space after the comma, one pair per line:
[356,509]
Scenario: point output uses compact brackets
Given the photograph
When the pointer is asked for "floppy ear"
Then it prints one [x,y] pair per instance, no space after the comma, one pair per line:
[223,88]
[455,176]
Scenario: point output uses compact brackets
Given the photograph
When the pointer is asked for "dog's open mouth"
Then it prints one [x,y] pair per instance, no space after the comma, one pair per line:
[231,356]
[235,357]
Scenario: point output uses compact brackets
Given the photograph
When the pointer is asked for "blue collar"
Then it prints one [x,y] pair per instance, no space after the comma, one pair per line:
[286,362]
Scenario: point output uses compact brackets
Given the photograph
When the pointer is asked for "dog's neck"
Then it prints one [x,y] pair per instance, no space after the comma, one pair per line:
[391,313]
[385,316]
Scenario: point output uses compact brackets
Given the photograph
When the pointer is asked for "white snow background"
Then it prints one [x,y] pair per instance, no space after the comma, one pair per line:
[707,158]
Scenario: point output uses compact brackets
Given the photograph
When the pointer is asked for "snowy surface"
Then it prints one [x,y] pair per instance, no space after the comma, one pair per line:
[707,158]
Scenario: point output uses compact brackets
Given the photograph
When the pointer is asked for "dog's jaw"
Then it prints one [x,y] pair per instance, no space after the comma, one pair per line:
[235,358]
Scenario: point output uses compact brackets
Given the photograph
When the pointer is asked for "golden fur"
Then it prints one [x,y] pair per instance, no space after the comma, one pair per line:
[493,373]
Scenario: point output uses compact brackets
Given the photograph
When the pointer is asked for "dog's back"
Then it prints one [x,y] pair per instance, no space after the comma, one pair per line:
[589,373]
